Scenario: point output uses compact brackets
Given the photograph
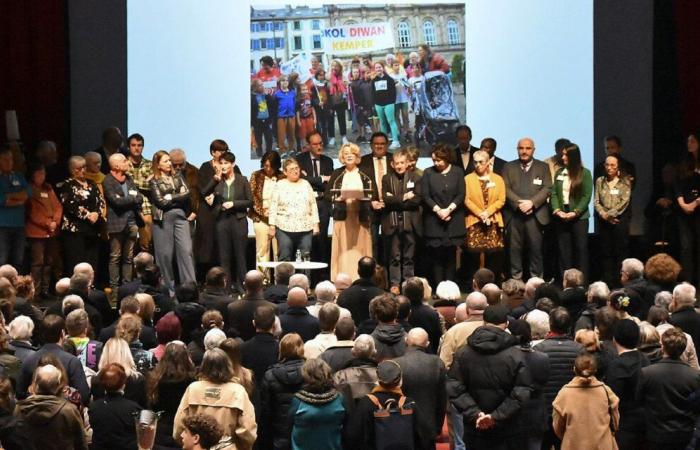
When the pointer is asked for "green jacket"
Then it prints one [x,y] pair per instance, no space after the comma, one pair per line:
[578,205]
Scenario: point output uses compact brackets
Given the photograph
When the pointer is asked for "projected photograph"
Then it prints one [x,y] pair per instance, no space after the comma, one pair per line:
[348,70]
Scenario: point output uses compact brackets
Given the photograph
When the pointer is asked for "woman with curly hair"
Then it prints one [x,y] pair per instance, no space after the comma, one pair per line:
[661,272]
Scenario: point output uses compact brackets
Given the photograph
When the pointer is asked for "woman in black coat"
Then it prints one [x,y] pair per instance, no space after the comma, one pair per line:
[280,383]
[14,434]
[443,212]
[232,198]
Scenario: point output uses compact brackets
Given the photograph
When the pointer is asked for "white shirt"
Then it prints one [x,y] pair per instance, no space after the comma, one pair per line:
[375,161]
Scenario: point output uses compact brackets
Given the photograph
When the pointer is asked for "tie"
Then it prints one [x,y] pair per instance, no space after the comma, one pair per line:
[380,175]
[314,161]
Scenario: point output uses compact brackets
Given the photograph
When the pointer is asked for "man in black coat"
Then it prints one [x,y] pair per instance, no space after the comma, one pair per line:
[240,313]
[422,316]
[277,293]
[316,168]
[562,352]
[339,354]
[573,297]
[402,222]
[356,298]
[375,166]
[489,146]
[683,311]
[664,391]
[297,319]
[52,328]
[464,151]
[632,279]
[389,336]
[489,382]
[424,381]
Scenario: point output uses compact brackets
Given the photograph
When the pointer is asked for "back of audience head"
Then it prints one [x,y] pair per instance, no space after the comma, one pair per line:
[7,395]
[366,267]
[77,323]
[62,286]
[141,261]
[297,298]
[461,313]
[404,307]
[151,275]
[549,291]
[113,377]
[492,293]
[203,429]
[539,323]
[427,290]
[47,380]
[413,289]
[86,270]
[328,317]
[299,280]
[380,277]
[481,278]
[531,286]
[448,290]
[648,335]
[417,337]
[631,269]
[585,366]
[216,278]
[588,339]
[21,328]
[71,303]
[212,319]
[342,282]
[187,292]
[364,347]
[384,308]
[52,328]
[605,320]
[117,350]
[624,302]
[168,328]
[147,307]
[128,327]
[521,330]
[317,375]
[80,283]
[283,272]
[9,272]
[683,297]
[657,315]
[345,329]
[572,278]
[389,374]
[264,318]
[559,321]
[291,347]
[673,343]
[663,299]
[662,269]
[325,292]
[216,367]
[476,303]
[24,287]
[626,334]
[213,338]
[598,293]
[545,304]
[513,287]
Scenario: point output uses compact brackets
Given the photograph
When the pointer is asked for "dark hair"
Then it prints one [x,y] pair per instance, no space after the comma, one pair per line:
[545,304]
[345,329]
[377,134]
[187,292]
[216,367]
[626,333]
[442,152]
[228,156]
[6,390]
[136,136]
[605,320]
[463,128]
[204,425]
[274,158]
[404,307]
[492,141]
[218,145]
[560,320]
[384,308]
[168,328]
[174,366]
[366,267]
[413,289]
[267,60]
[112,377]
[328,316]
[613,138]
[160,154]
[575,169]
[34,168]
[216,277]
[264,317]
[585,366]
[150,275]
[52,327]
[521,330]
[309,135]
[484,276]
[550,291]
[624,300]
[673,342]
[317,375]
[283,272]
[129,305]
[657,315]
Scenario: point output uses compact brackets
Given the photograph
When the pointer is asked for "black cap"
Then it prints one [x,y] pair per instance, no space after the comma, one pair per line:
[389,372]
[496,314]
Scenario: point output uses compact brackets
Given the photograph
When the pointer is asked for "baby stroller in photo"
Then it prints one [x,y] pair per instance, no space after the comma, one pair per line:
[438,110]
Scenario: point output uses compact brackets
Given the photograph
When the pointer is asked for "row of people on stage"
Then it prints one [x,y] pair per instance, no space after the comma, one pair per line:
[497,205]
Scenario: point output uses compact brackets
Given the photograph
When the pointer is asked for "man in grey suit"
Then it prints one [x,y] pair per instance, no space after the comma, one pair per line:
[528,184]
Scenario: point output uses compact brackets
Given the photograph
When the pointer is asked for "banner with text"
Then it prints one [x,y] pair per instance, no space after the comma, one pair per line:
[358,38]
[300,64]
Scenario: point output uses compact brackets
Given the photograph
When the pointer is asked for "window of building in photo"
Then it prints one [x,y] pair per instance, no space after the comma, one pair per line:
[254,44]
[253,27]
[297,24]
[404,35]
[279,43]
[297,43]
[429,33]
[317,41]
[316,24]
[279,26]
[263,44]
[452,32]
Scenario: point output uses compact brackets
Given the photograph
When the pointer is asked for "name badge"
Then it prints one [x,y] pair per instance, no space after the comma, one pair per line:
[490,185]
[380,85]
[44,195]
[15,182]
[132,192]
[614,192]
[560,178]
[410,185]
[537,181]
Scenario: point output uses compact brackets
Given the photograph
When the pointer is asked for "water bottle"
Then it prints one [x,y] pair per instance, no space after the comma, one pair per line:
[298,256]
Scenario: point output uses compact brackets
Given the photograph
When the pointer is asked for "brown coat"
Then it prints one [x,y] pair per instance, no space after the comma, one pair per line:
[257,181]
[582,415]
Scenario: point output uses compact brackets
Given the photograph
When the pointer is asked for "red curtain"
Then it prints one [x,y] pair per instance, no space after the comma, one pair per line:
[34,70]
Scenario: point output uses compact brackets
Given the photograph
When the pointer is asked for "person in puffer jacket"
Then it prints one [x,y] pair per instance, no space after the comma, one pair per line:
[280,383]
[389,336]
[489,382]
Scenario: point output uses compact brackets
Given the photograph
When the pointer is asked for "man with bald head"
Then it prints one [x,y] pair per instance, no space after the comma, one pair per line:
[297,319]
[528,185]
[424,381]
[457,335]
[240,312]
[493,293]
[123,219]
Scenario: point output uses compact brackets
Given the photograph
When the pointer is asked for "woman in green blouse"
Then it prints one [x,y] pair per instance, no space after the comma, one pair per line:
[611,201]
[571,196]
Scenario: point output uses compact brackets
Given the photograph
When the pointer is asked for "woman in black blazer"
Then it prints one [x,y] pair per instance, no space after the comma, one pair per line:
[443,214]
[232,198]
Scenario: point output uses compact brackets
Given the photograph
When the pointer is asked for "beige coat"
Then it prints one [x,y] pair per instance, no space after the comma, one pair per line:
[228,403]
[581,415]
[455,338]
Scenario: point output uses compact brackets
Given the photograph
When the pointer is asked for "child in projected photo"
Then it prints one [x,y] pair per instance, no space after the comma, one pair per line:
[286,116]
[324,113]
[261,116]
[306,115]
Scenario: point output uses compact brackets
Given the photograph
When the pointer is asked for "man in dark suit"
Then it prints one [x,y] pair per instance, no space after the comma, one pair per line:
[356,298]
[401,218]
[464,150]
[422,316]
[375,166]
[316,168]
[528,184]
[297,319]
[489,146]
[240,312]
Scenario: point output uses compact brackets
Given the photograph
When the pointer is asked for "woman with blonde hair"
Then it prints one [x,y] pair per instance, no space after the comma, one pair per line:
[346,190]
[241,375]
[280,383]
[129,329]
[116,350]
[585,412]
